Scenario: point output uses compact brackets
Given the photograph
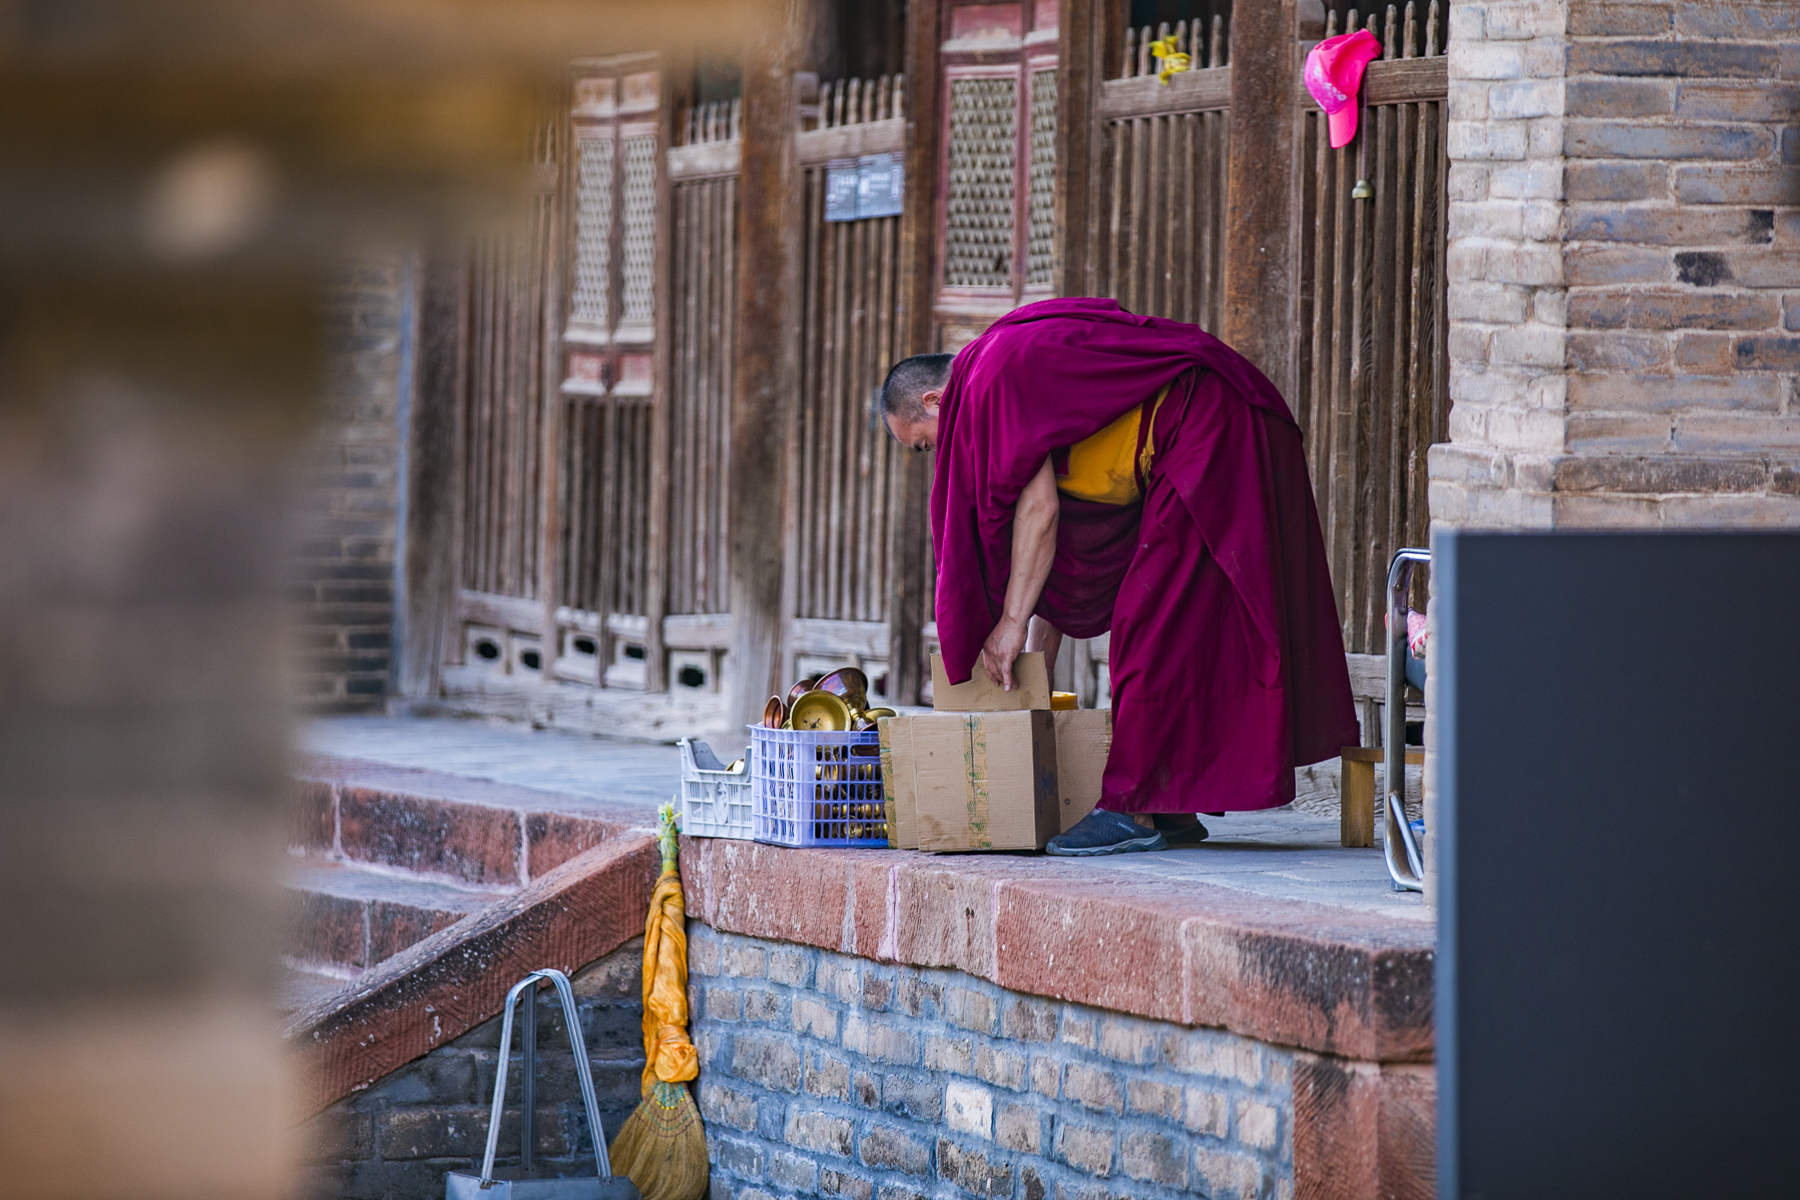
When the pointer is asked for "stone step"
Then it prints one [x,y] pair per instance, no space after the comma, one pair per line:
[348,917]
[470,833]
[300,987]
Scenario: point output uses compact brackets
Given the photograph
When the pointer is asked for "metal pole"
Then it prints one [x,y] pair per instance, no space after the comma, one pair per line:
[528,1084]
[1405,864]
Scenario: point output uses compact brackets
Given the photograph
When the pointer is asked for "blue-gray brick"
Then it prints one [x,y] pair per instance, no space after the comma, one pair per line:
[1633,139]
[1670,226]
[1737,185]
[1747,22]
[1682,59]
[1616,98]
[885,1147]
[1615,180]
[1620,20]
[770,1061]
[973,1170]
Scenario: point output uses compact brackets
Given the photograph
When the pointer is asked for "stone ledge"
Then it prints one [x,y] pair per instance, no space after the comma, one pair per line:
[442,987]
[1330,980]
[470,832]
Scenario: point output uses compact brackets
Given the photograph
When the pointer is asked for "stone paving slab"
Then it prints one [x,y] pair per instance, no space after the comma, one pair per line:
[1283,854]
[555,760]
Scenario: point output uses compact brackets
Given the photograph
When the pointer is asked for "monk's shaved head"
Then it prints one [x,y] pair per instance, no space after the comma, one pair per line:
[903,391]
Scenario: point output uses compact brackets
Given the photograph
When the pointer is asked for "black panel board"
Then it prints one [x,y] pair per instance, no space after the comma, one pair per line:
[1618,727]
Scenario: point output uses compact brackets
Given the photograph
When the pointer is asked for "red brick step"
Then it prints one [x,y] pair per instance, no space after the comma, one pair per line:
[349,917]
[470,833]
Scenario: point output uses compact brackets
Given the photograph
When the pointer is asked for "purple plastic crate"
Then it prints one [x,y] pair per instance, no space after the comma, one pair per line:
[817,789]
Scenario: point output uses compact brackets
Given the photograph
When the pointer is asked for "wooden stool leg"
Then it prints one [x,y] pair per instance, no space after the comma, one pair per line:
[1356,802]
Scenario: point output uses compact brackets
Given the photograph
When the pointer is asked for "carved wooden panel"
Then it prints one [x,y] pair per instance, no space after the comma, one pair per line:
[1040,234]
[978,224]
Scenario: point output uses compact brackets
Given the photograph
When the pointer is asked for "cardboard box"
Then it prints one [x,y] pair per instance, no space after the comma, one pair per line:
[1083,738]
[1031,688]
[897,788]
[971,781]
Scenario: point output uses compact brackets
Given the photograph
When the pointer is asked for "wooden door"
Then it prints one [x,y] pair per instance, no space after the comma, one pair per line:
[995,194]
[611,493]
[561,420]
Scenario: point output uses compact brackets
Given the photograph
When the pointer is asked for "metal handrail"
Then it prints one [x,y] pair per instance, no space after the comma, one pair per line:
[583,1072]
[1408,873]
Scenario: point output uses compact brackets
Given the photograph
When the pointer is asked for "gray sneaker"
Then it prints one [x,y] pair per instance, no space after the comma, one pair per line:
[1102,832]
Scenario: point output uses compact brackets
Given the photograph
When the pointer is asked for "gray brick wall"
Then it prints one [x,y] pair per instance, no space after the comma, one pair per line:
[342,582]
[1625,265]
[824,1074]
[1624,271]
[398,1139]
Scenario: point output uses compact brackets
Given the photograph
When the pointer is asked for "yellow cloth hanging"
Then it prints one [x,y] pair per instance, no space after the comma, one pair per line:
[661,1147]
[668,1054]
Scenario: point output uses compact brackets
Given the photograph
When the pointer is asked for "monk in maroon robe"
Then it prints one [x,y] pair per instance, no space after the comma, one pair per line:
[1102,471]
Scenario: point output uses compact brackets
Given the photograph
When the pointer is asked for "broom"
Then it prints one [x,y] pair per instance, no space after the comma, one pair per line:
[661,1147]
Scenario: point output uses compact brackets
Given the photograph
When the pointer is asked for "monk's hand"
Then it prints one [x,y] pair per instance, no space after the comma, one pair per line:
[1002,649]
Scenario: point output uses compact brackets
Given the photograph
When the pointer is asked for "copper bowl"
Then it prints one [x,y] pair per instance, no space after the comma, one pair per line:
[868,719]
[774,713]
[845,681]
[800,689]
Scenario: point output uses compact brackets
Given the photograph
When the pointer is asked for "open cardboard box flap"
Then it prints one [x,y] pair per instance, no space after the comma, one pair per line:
[1031,688]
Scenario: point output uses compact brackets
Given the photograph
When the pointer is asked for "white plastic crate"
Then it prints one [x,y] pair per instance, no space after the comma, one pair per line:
[713,803]
[818,789]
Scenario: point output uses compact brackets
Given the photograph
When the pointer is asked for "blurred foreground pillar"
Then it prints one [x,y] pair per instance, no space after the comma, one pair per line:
[178,181]
[141,732]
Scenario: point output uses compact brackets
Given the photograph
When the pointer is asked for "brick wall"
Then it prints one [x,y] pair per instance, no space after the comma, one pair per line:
[1625,265]
[398,1139]
[824,1074]
[343,580]
[1624,272]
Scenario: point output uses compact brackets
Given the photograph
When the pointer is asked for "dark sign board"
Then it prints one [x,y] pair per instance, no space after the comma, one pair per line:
[871,186]
[881,181]
[1617,722]
[840,190]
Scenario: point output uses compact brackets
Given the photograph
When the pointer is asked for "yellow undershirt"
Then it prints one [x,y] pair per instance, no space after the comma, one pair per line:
[1106,467]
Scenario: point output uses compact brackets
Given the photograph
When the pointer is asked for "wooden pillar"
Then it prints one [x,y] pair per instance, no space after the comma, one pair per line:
[1259,275]
[767,354]
[1087,43]
[656,590]
[909,599]
[429,477]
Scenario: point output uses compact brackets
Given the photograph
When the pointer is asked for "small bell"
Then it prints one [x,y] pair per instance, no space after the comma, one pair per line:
[1362,190]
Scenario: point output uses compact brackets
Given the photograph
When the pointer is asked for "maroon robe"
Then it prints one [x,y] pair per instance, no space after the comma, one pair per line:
[1227,660]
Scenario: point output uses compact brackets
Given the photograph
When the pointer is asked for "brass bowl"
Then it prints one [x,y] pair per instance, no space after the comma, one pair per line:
[820,712]
[774,713]
[845,682]
[1062,701]
[875,713]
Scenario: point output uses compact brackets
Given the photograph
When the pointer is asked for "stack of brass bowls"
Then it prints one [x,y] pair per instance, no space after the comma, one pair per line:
[835,702]
[844,809]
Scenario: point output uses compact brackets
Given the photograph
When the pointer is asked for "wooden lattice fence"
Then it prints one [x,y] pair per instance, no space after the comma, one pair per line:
[1157,220]
[843,460]
[1371,337]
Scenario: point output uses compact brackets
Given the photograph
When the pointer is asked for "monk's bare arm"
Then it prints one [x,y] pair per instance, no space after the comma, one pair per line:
[1033,548]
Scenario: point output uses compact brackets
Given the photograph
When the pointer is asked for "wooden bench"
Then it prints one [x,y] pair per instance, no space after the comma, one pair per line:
[1356,781]
[1356,792]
